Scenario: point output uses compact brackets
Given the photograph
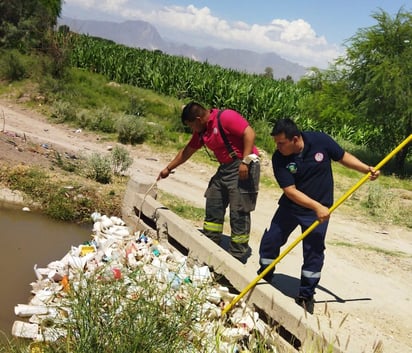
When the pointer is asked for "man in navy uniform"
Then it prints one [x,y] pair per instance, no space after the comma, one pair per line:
[302,168]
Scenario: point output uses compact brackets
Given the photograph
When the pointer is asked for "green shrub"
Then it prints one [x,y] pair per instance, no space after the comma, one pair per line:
[56,199]
[176,121]
[63,112]
[12,66]
[99,168]
[136,107]
[49,86]
[121,159]
[61,207]
[103,121]
[388,205]
[156,133]
[378,200]
[66,164]
[131,129]
[264,140]
[31,181]
[83,118]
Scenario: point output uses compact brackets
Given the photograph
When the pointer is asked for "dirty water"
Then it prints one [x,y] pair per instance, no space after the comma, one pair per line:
[26,239]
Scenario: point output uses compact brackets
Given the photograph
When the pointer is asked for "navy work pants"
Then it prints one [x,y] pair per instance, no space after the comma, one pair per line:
[283,223]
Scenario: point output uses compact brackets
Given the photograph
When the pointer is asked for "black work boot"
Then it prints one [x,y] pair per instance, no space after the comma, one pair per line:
[215,237]
[240,251]
[306,303]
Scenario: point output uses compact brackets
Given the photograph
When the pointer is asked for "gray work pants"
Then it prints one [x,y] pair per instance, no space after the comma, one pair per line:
[225,189]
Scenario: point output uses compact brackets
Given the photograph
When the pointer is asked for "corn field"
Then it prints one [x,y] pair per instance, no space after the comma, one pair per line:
[256,97]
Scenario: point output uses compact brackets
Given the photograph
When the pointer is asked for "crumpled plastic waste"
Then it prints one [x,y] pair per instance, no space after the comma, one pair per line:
[117,251]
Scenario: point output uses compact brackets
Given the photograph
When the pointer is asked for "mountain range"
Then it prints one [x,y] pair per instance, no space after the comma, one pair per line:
[141,34]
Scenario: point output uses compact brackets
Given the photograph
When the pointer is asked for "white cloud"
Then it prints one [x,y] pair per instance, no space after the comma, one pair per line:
[293,40]
[113,5]
[109,6]
[81,3]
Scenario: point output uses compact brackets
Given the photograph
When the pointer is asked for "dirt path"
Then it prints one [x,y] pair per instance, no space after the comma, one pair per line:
[372,287]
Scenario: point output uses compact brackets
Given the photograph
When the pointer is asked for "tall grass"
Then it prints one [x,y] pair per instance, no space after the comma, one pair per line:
[138,312]
[130,315]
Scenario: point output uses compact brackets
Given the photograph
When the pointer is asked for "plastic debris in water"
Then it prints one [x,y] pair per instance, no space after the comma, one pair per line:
[113,255]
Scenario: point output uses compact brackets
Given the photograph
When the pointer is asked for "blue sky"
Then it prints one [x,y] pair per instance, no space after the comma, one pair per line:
[308,32]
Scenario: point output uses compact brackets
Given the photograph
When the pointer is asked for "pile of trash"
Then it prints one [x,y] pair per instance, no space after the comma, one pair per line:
[118,252]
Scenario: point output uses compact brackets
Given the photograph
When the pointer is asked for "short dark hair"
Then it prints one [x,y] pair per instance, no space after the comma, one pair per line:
[191,111]
[286,126]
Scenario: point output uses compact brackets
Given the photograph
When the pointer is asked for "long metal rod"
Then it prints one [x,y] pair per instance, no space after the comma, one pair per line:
[313,226]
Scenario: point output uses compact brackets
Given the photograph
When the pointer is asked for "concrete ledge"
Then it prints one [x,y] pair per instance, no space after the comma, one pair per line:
[15,199]
[264,297]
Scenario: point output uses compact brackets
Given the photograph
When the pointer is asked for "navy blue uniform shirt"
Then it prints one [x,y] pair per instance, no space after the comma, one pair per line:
[310,171]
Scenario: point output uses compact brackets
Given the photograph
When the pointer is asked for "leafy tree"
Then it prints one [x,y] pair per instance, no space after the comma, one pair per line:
[288,78]
[268,72]
[378,71]
[328,107]
[25,24]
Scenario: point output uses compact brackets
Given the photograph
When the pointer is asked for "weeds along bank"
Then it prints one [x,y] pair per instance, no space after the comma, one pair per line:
[67,189]
[62,197]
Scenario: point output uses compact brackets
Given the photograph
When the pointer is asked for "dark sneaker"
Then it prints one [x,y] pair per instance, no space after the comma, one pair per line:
[306,303]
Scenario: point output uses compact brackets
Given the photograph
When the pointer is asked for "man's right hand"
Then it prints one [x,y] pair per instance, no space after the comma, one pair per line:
[164,173]
[322,213]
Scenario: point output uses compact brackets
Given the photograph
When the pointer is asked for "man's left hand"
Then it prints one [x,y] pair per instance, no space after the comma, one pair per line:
[374,174]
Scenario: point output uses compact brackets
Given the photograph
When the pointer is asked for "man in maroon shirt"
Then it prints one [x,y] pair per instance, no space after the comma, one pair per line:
[236,182]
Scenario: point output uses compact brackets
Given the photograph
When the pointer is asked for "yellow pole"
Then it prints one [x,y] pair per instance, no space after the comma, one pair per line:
[313,226]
